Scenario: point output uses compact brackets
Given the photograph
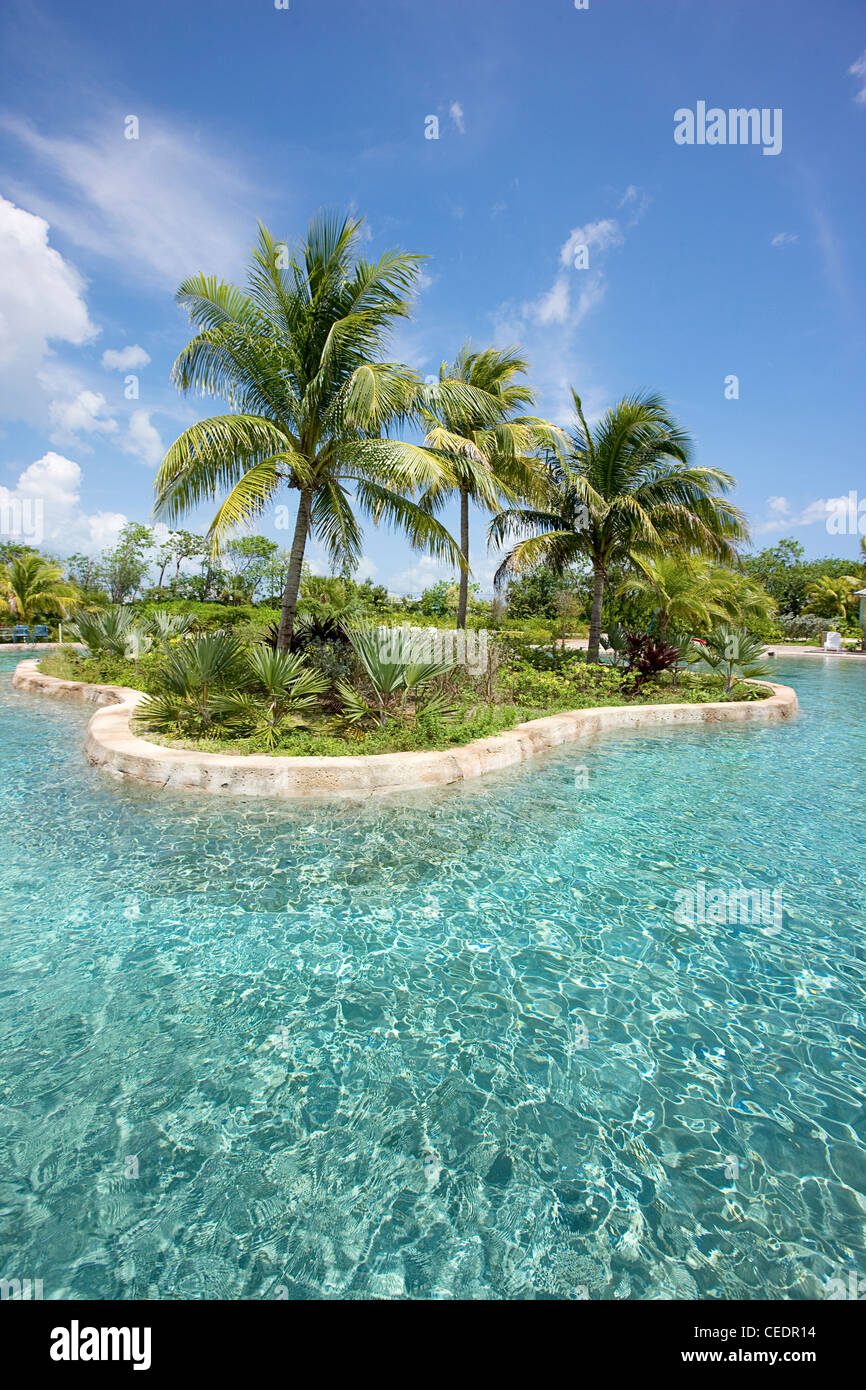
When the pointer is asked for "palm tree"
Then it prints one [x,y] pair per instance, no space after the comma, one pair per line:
[490,450]
[37,588]
[622,491]
[831,596]
[297,357]
[689,592]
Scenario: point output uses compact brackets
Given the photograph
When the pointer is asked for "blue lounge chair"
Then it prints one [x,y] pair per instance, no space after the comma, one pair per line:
[21,633]
[41,633]
[5,634]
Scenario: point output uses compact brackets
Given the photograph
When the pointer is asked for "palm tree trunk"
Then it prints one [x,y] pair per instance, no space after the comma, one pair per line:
[595,619]
[463,600]
[293,578]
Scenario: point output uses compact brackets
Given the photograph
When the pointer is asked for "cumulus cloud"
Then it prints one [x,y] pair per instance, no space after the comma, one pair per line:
[50,489]
[84,414]
[125,359]
[143,440]
[455,111]
[41,304]
[163,206]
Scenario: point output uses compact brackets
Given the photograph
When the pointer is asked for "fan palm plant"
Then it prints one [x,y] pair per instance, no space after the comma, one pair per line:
[624,490]
[280,687]
[734,652]
[193,678]
[297,358]
[36,588]
[163,626]
[491,449]
[112,630]
[396,666]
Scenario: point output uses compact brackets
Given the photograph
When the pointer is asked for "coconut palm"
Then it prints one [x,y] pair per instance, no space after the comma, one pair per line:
[622,491]
[491,449]
[832,596]
[691,594]
[297,357]
[37,588]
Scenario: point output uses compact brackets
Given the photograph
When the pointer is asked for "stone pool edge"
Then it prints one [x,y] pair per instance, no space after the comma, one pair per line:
[110,744]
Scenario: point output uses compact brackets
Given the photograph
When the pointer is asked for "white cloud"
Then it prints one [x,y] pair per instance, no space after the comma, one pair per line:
[547,326]
[455,111]
[783,518]
[82,415]
[143,440]
[784,239]
[599,236]
[54,483]
[41,303]
[162,206]
[125,359]
[554,306]
[367,569]
[858,69]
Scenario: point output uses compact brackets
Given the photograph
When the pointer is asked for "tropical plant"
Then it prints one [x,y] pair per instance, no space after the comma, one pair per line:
[279,686]
[734,652]
[297,356]
[832,596]
[163,626]
[397,666]
[36,588]
[622,491]
[491,448]
[193,677]
[615,641]
[112,630]
[647,657]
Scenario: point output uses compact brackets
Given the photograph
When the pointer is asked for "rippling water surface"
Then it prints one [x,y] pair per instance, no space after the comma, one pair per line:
[456,1046]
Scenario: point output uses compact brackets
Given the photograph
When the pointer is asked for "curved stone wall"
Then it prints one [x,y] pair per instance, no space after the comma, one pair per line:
[110,744]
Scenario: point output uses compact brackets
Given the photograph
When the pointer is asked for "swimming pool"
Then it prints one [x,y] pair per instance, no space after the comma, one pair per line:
[455,1045]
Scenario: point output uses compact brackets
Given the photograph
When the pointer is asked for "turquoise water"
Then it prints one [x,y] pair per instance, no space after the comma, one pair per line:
[449,1046]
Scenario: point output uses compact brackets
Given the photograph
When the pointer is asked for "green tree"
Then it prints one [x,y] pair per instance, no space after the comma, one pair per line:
[36,588]
[249,556]
[298,358]
[535,594]
[491,448]
[624,490]
[126,565]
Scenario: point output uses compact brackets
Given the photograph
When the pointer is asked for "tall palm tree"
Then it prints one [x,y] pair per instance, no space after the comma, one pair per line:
[297,357]
[623,490]
[491,449]
[37,589]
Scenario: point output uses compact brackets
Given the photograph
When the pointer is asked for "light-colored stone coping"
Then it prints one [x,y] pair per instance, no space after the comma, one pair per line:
[110,744]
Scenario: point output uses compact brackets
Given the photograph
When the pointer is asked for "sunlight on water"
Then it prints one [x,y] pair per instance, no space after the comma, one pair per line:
[456,1045]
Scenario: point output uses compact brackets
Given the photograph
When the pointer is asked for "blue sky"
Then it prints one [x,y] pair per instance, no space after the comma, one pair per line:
[556,129]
